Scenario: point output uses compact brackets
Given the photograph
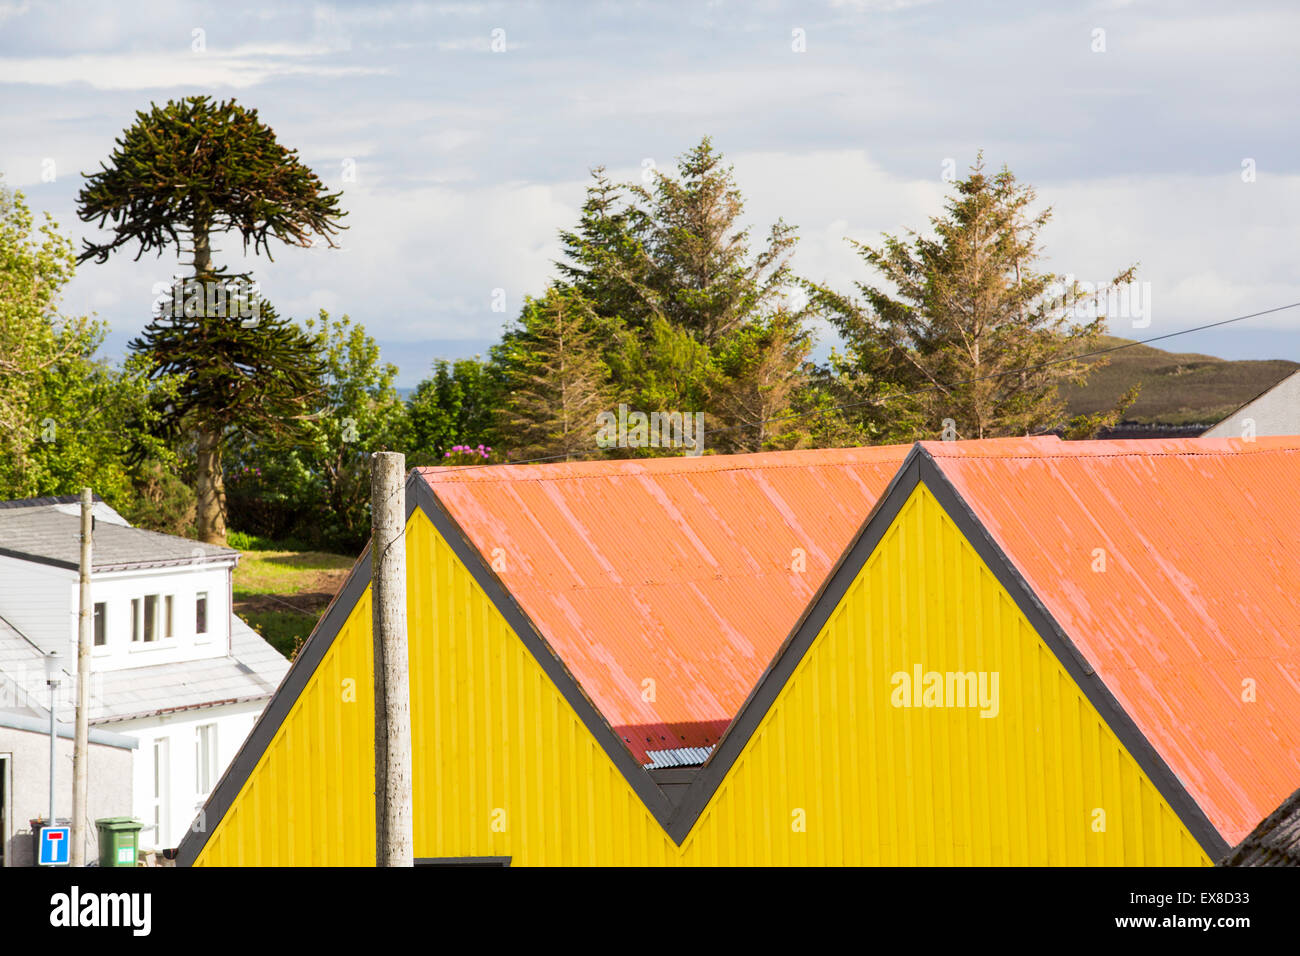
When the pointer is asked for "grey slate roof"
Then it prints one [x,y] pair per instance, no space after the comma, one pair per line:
[43,531]
[1275,842]
[251,671]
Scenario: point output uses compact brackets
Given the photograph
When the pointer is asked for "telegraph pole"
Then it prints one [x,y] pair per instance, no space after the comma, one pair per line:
[81,743]
[393,819]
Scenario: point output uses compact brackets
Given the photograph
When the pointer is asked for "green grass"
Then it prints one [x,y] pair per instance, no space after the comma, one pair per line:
[281,592]
[284,630]
[1178,388]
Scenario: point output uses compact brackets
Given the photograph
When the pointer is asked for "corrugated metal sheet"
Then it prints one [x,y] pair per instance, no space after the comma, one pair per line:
[1194,624]
[872,783]
[503,766]
[667,585]
[681,757]
[309,800]
[834,774]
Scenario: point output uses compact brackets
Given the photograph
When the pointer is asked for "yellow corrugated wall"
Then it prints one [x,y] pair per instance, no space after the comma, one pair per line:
[879,784]
[834,774]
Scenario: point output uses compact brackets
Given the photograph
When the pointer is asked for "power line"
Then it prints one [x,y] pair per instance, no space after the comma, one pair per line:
[944,386]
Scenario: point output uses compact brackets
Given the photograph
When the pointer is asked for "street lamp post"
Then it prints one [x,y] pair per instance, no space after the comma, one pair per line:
[52,681]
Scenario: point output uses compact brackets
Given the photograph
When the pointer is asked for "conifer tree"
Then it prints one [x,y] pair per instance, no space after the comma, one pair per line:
[182,173]
[555,380]
[972,324]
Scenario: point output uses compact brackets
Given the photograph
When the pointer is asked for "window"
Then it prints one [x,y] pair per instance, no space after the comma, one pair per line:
[100,637]
[151,628]
[161,790]
[201,613]
[135,619]
[205,762]
[167,616]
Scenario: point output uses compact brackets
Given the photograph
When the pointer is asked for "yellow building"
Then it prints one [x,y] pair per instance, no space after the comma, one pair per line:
[971,653]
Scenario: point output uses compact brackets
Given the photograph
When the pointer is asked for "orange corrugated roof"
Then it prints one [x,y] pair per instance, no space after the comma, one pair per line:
[671,570]
[1201,591]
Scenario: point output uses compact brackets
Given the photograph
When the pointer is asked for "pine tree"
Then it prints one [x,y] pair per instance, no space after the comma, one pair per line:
[973,326]
[194,168]
[554,377]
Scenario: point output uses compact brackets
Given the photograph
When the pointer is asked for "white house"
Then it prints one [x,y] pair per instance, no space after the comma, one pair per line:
[172,667]
[1276,411]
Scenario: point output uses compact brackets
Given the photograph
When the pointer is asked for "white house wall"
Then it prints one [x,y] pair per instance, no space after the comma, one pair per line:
[1276,412]
[181,798]
[117,589]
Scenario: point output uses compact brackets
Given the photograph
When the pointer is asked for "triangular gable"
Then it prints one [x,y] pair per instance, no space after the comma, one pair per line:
[679,814]
[920,468]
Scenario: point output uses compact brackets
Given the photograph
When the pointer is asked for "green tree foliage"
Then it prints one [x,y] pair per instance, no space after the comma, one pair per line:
[35,264]
[972,325]
[454,406]
[237,379]
[692,317]
[67,420]
[181,173]
[554,378]
[762,369]
[359,413]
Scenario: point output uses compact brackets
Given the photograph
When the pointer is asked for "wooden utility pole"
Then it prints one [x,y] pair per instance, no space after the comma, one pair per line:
[81,743]
[393,826]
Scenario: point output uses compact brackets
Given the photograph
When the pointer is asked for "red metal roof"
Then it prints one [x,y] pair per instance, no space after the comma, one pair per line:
[674,571]
[1200,595]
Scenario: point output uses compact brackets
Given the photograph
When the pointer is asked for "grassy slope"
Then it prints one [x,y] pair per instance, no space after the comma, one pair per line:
[281,594]
[1178,388]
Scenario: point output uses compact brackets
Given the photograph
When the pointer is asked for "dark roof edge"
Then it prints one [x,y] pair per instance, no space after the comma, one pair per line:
[1139,747]
[1252,840]
[920,468]
[792,650]
[496,592]
[273,716]
[418,495]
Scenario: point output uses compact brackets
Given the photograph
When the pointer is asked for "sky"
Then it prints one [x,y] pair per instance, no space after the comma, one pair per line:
[462,136]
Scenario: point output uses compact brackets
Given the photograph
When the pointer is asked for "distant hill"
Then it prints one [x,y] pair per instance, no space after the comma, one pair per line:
[1178,388]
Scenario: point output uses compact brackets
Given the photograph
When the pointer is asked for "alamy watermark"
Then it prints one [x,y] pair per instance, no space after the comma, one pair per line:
[921,688]
[1124,300]
[629,429]
[230,298]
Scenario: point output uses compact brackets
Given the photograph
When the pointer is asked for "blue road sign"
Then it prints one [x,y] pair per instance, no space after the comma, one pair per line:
[55,844]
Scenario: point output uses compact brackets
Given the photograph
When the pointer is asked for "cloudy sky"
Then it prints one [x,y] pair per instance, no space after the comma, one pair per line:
[462,134]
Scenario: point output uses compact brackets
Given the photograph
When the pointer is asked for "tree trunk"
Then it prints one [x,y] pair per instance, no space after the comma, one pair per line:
[210,516]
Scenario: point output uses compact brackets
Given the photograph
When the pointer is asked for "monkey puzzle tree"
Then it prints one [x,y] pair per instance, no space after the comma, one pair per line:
[184,172]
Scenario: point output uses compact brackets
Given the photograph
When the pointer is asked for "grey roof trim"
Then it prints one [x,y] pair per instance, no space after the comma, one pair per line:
[787,658]
[204,705]
[47,501]
[920,468]
[66,731]
[1072,659]
[220,560]
[471,861]
[637,776]
[273,716]
[418,495]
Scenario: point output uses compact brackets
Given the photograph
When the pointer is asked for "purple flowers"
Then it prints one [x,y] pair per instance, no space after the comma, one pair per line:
[481,451]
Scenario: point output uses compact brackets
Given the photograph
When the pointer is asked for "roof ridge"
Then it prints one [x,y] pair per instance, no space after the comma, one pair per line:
[424,471]
[1135,452]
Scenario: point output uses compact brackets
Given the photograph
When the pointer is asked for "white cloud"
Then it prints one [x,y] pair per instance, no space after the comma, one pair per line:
[122,71]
